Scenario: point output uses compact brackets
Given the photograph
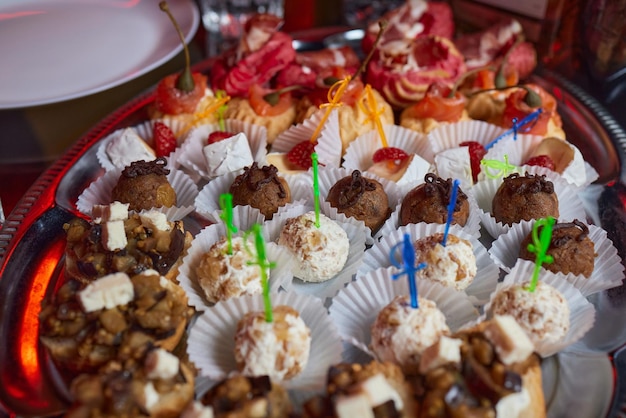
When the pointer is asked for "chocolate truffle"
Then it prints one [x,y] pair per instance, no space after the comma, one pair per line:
[144,185]
[570,248]
[261,188]
[429,201]
[360,198]
[524,198]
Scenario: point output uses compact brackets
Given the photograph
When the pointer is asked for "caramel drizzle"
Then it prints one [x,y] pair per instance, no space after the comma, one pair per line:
[358,186]
[269,176]
[435,185]
[534,184]
[143,168]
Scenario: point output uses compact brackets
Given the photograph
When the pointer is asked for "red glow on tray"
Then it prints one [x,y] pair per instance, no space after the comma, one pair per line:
[27,346]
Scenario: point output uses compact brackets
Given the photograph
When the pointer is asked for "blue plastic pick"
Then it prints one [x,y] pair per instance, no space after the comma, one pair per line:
[451,205]
[407,266]
[516,126]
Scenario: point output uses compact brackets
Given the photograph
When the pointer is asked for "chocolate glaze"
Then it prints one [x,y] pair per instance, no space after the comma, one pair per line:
[143,168]
[561,241]
[530,183]
[358,186]
[270,175]
[436,185]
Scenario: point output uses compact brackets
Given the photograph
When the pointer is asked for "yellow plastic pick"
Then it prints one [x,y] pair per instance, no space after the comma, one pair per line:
[209,109]
[335,92]
[373,113]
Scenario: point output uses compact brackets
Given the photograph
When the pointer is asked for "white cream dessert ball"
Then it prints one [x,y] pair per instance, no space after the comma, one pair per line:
[453,265]
[223,276]
[279,349]
[401,333]
[543,314]
[321,252]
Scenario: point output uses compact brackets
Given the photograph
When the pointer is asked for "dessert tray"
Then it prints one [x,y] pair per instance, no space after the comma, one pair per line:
[589,380]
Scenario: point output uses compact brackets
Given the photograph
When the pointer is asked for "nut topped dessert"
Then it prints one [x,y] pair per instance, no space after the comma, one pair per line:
[261,188]
[144,185]
[117,241]
[524,198]
[570,247]
[115,316]
[360,198]
[429,201]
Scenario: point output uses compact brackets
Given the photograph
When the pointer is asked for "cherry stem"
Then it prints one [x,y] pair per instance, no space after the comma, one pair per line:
[185,80]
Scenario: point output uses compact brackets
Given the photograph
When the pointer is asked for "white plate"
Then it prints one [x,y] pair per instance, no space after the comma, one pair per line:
[57,50]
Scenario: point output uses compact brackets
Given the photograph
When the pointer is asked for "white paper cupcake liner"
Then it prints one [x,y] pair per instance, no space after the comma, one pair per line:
[608,270]
[329,144]
[99,193]
[487,272]
[582,312]
[578,173]
[211,340]
[450,135]
[356,232]
[570,205]
[192,155]
[243,219]
[208,199]
[472,226]
[360,151]
[356,307]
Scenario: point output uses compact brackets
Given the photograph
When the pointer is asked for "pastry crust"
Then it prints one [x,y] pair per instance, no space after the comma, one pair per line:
[240,109]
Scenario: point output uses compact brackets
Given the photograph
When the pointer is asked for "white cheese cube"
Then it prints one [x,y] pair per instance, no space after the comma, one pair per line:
[161,364]
[354,406]
[107,292]
[446,350]
[114,236]
[196,410]
[228,155]
[379,391]
[128,147]
[511,342]
[116,211]
[155,220]
[150,396]
[513,405]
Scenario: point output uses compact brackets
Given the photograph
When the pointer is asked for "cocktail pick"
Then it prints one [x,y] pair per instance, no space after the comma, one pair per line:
[264,264]
[316,189]
[407,266]
[373,113]
[226,203]
[502,168]
[220,94]
[451,206]
[539,246]
[516,126]
[335,92]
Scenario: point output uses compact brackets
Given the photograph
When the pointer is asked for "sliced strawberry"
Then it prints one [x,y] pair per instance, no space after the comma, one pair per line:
[389,154]
[542,161]
[164,139]
[217,136]
[300,155]
[477,152]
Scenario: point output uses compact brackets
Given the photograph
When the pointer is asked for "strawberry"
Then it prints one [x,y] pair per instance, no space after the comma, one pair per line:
[217,136]
[300,155]
[476,151]
[164,139]
[542,161]
[389,154]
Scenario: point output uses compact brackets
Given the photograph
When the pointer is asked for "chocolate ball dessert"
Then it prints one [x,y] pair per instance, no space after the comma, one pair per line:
[360,198]
[429,201]
[144,185]
[524,198]
[570,247]
[261,188]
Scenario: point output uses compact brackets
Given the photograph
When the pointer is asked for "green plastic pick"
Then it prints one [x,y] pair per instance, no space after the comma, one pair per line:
[261,261]
[226,203]
[316,189]
[220,94]
[539,246]
[502,168]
